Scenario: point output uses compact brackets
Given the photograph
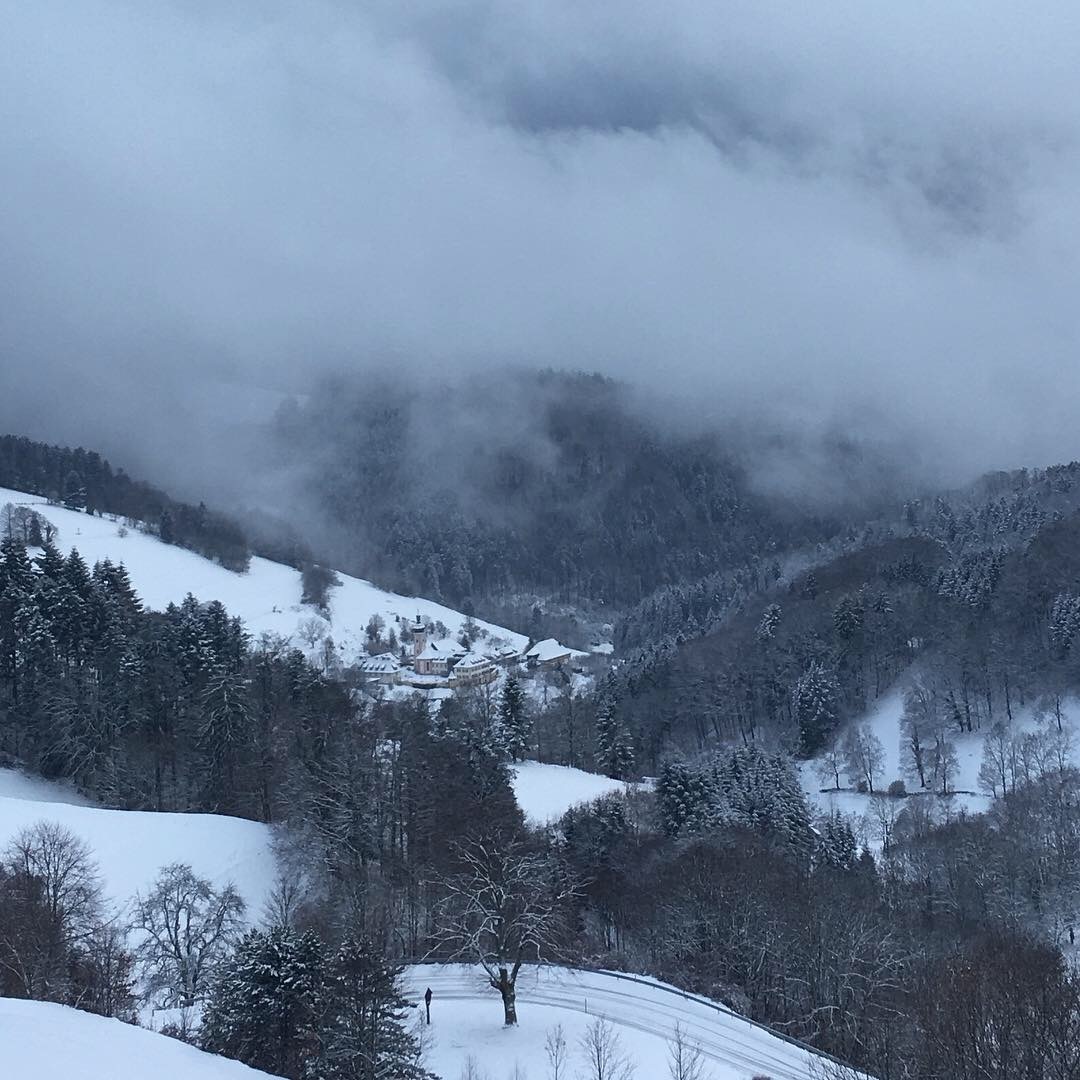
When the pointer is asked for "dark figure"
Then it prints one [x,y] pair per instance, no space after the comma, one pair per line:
[427,1003]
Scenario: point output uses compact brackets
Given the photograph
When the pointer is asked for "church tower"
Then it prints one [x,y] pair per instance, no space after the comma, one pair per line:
[418,629]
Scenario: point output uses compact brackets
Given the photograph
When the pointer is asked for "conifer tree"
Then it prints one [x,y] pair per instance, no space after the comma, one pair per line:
[837,846]
[687,800]
[366,1037]
[267,1003]
[614,745]
[50,562]
[815,707]
[513,719]
[223,735]
[16,586]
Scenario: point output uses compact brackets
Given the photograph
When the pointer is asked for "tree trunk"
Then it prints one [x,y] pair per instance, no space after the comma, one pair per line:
[507,987]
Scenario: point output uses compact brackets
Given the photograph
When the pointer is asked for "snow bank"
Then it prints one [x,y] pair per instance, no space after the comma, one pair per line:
[131,846]
[466,1020]
[546,792]
[41,1041]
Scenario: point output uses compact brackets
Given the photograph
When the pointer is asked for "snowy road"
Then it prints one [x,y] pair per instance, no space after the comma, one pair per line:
[725,1038]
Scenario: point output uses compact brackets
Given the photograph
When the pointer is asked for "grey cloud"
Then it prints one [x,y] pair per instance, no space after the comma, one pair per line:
[859,217]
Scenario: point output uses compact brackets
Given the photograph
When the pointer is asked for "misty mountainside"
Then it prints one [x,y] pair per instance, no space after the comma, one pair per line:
[549,484]
[540,541]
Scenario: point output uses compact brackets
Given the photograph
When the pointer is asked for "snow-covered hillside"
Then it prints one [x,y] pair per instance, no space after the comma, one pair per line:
[130,846]
[40,1041]
[546,792]
[466,1021]
[266,598]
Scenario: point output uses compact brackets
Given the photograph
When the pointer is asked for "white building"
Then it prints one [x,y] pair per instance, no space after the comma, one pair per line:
[473,670]
[437,657]
[548,653]
[384,668]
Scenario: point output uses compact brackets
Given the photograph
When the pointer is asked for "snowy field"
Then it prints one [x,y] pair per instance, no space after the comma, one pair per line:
[266,598]
[131,846]
[466,1021]
[546,792]
[40,1041]
[967,795]
[884,721]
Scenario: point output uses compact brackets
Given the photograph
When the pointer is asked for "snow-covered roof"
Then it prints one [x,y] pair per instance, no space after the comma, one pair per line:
[442,650]
[471,661]
[382,664]
[547,650]
[415,679]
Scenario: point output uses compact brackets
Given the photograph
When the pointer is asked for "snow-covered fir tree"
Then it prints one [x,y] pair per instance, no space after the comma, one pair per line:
[266,1008]
[513,719]
[837,845]
[614,743]
[367,1035]
[687,799]
[815,706]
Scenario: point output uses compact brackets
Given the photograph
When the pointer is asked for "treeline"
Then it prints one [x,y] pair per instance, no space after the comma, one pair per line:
[83,480]
[173,710]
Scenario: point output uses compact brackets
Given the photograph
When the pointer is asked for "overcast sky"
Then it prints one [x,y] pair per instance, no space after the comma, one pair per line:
[855,212]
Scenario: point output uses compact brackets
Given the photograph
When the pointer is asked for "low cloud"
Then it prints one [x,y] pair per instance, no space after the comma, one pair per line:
[862,218]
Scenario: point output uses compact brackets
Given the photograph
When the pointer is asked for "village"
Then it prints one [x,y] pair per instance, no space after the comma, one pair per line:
[428,658]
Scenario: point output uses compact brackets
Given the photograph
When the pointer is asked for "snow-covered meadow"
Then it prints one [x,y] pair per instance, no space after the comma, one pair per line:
[131,846]
[967,794]
[546,792]
[41,1041]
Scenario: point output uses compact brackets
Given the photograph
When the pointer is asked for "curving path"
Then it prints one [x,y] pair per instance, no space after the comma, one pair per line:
[724,1037]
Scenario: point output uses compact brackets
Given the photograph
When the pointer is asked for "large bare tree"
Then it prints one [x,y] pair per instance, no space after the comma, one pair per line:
[504,907]
[55,896]
[186,926]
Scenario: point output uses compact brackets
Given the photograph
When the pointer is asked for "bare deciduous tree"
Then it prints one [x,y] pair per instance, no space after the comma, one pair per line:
[311,631]
[58,859]
[187,927]
[556,1050]
[55,882]
[471,1070]
[831,765]
[685,1059]
[601,1051]
[998,761]
[504,907]
[864,756]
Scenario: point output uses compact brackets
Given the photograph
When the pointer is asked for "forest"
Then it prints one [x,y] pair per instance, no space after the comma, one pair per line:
[938,956]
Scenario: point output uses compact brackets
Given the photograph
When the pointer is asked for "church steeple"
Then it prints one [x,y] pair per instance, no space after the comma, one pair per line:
[418,629]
